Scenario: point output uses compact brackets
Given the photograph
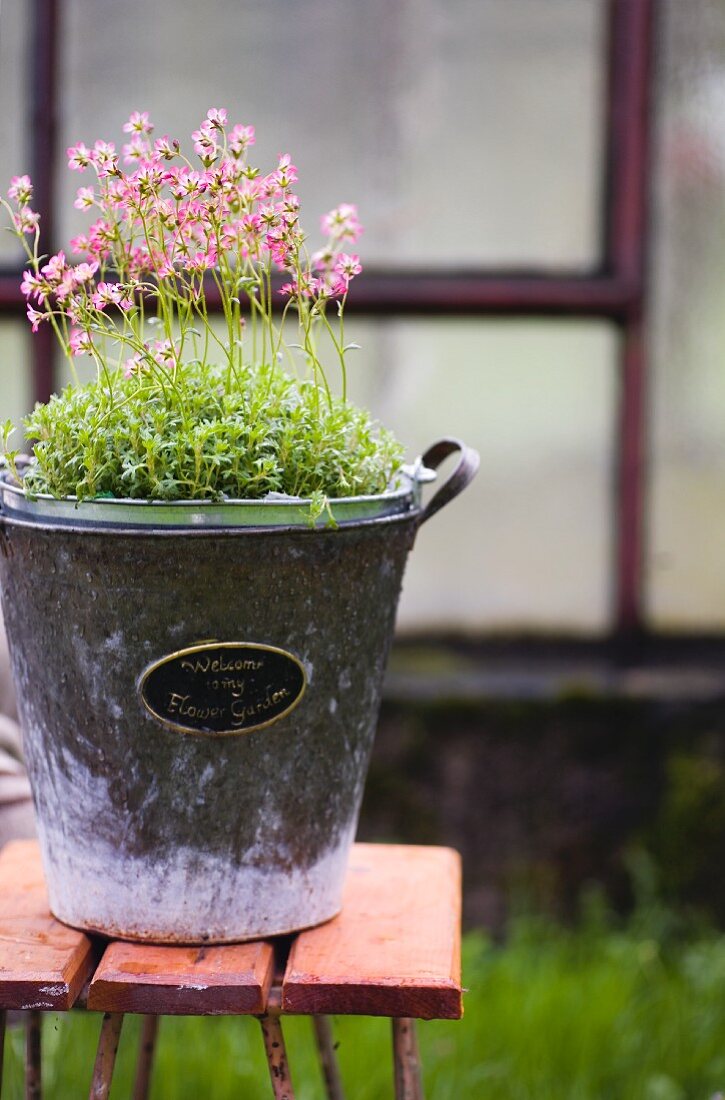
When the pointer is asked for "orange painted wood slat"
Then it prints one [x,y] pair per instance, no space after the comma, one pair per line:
[394,950]
[183,981]
[43,964]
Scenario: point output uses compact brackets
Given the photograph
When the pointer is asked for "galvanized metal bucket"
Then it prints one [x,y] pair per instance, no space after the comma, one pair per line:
[199,695]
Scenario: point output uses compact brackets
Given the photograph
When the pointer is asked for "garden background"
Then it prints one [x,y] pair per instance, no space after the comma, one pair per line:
[542,184]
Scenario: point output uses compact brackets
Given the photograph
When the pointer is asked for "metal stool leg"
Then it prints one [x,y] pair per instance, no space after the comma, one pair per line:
[408,1082]
[276,1057]
[106,1055]
[328,1058]
[146,1051]
[32,1056]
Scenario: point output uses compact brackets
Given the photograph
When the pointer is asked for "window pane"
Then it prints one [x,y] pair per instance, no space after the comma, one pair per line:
[468,131]
[14,119]
[15,388]
[527,546]
[687,518]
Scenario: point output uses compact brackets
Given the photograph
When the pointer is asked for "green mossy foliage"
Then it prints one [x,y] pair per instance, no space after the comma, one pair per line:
[265,433]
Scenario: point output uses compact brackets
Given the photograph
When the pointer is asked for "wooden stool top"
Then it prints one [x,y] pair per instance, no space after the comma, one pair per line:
[394,950]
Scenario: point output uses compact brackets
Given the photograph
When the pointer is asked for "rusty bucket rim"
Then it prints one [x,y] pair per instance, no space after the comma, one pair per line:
[199,517]
[401,500]
[176,531]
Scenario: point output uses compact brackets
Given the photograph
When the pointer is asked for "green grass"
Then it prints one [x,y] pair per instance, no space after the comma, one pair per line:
[592,1014]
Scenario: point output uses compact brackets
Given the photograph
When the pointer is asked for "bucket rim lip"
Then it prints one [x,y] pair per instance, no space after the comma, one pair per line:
[148,530]
[400,499]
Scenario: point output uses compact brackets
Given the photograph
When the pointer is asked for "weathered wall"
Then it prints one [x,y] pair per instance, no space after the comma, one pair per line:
[546,798]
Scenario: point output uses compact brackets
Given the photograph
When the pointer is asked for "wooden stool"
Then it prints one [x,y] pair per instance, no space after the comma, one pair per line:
[394,951]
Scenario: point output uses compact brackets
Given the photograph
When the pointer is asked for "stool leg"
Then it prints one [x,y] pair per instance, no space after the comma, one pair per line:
[408,1082]
[328,1058]
[146,1053]
[276,1057]
[32,1055]
[106,1055]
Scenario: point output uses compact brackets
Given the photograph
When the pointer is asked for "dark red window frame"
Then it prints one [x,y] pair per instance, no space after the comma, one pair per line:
[616,290]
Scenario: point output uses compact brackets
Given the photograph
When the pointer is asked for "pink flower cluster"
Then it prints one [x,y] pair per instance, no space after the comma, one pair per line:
[162,352]
[71,286]
[20,192]
[161,223]
[73,290]
[335,270]
[223,214]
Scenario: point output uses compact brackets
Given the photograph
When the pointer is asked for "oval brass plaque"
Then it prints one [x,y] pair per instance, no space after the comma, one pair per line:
[223,687]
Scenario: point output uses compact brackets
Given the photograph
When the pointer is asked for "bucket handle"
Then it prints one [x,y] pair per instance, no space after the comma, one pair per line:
[462,476]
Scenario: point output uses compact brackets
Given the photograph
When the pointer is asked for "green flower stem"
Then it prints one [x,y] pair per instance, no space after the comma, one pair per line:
[338,345]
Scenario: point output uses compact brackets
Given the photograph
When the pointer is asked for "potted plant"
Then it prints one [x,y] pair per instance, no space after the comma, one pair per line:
[200,564]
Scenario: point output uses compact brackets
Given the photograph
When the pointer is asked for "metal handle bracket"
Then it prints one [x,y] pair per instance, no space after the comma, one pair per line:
[462,476]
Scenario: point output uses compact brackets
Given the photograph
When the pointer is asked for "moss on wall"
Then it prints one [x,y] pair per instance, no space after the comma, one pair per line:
[546,798]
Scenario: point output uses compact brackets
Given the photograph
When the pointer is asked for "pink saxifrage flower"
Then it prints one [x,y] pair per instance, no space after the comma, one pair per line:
[286,173]
[80,342]
[239,139]
[138,123]
[217,116]
[83,273]
[136,150]
[164,352]
[200,261]
[161,352]
[33,286]
[347,267]
[205,143]
[85,197]
[134,365]
[342,223]
[20,190]
[111,294]
[54,268]
[101,236]
[26,220]
[165,147]
[79,157]
[79,244]
[104,158]
[35,317]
